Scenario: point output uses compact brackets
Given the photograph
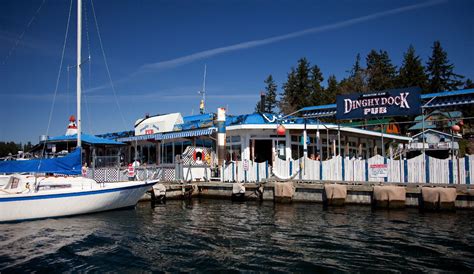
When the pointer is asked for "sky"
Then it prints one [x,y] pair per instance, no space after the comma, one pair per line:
[156,50]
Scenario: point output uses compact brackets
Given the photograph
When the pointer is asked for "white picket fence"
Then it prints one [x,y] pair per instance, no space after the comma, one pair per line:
[421,169]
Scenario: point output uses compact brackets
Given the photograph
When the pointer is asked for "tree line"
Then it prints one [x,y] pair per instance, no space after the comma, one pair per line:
[7,148]
[304,84]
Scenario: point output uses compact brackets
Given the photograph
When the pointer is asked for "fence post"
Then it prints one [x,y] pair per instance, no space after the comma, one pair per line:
[405,168]
[258,175]
[400,166]
[321,170]
[467,171]
[427,168]
[385,179]
[266,169]
[451,173]
[366,170]
[291,167]
[343,171]
[233,171]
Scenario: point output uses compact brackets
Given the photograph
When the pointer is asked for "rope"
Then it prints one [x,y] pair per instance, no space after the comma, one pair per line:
[89,123]
[20,37]
[57,79]
[107,66]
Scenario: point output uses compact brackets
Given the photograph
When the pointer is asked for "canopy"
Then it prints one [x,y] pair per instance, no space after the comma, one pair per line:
[68,165]
[86,138]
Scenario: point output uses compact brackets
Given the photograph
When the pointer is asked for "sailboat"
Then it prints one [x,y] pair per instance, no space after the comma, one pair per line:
[34,196]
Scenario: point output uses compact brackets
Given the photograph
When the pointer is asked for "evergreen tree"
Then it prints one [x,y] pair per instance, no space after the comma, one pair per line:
[412,72]
[270,99]
[270,104]
[441,71]
[356,82]
[288,100]
[332,90]
[317,91]
[381,74]
[468,84]
[297,89]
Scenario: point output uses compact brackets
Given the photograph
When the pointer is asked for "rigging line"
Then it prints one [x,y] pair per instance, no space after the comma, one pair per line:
[89,123]
[67,91]
[20,37]
[57,80]
[107,66]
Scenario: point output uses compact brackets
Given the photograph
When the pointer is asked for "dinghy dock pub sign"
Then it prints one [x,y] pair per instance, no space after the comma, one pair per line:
[394,102]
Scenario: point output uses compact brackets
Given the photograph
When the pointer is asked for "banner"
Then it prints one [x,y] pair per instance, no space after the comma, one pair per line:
[395,102]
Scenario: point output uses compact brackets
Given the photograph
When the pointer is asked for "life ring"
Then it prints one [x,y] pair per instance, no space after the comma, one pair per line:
[199,158]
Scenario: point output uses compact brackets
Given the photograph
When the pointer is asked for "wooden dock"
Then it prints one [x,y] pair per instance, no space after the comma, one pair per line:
[315,192]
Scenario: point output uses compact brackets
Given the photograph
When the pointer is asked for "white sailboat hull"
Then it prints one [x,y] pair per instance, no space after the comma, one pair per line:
[66,203]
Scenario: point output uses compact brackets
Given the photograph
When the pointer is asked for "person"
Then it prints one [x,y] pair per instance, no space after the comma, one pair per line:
[312,157]
[136,163]
[317,157]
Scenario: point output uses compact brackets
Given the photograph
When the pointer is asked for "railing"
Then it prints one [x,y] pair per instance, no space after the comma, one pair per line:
[421,169]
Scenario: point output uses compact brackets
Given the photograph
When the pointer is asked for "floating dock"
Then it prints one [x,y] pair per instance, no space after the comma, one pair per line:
[384,195]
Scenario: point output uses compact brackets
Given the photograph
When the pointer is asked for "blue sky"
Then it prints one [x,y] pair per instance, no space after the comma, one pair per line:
[156,52]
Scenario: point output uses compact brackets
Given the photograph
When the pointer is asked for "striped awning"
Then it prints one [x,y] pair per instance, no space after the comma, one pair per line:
[188,133]
[450,101]
[140,137]
[171,135]
[319,113]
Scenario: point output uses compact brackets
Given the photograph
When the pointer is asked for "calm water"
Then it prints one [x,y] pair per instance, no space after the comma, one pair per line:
[220,235]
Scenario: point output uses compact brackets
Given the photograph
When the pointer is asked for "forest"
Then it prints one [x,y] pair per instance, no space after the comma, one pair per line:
[305,84]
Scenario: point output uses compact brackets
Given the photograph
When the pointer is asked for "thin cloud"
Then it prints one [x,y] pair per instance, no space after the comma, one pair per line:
[256,43]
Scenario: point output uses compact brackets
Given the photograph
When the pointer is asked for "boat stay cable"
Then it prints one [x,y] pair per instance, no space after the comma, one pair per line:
[107,66]
[84,95]
[57,81]
[20,37]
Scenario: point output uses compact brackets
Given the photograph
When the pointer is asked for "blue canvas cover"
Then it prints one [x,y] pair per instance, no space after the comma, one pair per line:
[67,165]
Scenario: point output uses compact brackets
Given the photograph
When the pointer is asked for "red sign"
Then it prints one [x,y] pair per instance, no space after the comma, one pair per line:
[149,131]
[131,170]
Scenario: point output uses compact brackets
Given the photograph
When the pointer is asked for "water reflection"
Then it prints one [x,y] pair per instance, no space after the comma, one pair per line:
[221,236]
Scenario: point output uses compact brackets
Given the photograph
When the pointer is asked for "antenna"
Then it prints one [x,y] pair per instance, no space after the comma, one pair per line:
[202,105]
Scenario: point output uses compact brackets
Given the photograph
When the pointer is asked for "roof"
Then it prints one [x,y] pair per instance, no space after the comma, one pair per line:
[199,117]
[314,126]
[171,135]
[374,122]
[437,132]
[195,122]
[448,114]
[264,118]
[85,138]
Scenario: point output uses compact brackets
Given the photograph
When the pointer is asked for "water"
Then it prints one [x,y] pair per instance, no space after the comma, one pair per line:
[211,235]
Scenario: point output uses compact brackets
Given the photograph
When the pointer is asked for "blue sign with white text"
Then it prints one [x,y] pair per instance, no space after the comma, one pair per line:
[394,102]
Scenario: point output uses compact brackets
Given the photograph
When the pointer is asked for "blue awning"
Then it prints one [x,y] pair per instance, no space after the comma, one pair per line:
[189,133]
[141,137]
[85,138]
[170,135]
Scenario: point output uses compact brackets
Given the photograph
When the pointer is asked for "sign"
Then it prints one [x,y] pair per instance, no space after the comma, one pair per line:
[246,165]
[395,102]
[378,170]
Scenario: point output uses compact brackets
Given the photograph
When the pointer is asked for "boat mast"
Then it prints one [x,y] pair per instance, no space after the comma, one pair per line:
[78,83]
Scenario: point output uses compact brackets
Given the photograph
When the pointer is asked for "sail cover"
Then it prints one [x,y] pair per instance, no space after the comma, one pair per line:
[68,165]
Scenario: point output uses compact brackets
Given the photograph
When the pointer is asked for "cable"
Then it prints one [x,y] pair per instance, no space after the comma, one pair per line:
[20,37]
[57,80]
[107,66]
